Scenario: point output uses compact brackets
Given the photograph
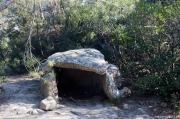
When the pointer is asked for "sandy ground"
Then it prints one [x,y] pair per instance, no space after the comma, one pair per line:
[21,98]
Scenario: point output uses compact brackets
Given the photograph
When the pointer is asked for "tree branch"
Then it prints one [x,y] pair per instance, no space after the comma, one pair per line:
[5,4]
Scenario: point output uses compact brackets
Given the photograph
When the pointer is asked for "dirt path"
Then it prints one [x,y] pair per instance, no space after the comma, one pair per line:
[21,98]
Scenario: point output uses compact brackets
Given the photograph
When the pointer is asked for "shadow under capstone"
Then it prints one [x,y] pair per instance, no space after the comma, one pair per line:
[77,83]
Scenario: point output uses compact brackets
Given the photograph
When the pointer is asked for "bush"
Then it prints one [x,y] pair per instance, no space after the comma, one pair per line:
[152,51]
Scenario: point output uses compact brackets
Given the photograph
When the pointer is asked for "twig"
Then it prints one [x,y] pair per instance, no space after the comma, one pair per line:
[76,113]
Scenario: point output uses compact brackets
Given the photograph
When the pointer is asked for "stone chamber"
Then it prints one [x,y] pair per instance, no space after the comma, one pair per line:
[81,71]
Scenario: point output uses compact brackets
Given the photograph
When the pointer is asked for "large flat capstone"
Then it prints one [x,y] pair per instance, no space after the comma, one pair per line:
[84,59]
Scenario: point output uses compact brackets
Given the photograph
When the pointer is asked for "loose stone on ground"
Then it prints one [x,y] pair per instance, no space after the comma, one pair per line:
[48,104]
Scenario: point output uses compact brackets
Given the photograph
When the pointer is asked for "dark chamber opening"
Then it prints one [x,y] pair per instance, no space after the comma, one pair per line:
[78,83]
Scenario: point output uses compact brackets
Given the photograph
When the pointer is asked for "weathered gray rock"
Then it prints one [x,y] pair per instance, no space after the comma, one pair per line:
[141,110]
[113,71]
[144,116]
[87,60]
[48,85]
[48,104]
[40,111]
[21,110]
[110,88]
[124,92]
[33,112]
[126,106]
[84,59]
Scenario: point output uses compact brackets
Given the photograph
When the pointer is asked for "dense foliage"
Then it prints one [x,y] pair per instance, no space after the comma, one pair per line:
[153,48]
[141,37]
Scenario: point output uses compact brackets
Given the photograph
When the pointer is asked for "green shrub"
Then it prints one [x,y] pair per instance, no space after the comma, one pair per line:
[152,51]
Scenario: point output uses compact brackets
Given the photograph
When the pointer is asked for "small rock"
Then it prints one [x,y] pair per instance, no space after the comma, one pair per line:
[141,110]
[40,111]
[115,108]
[154,110]
[61,106]
[0,91]
[124,92]
[141,103]
[21,110]
[145,116]
[57,113]
[150,106]
[48,104]
[163,104]
[126,106]
[33,112]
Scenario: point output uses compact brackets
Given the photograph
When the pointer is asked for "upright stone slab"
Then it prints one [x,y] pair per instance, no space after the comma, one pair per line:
[48,85]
